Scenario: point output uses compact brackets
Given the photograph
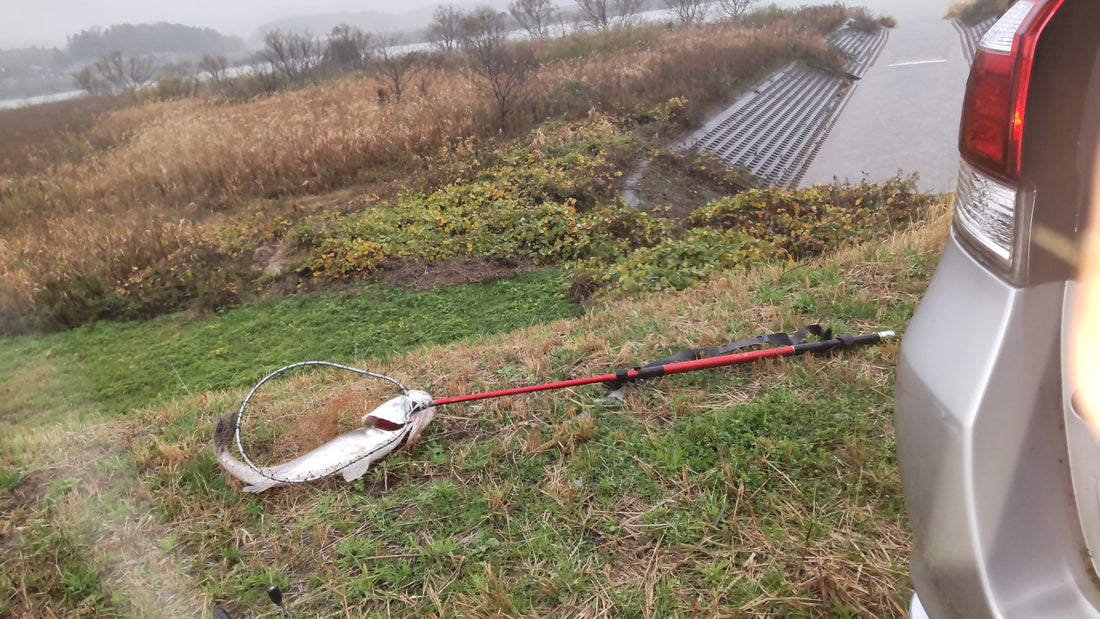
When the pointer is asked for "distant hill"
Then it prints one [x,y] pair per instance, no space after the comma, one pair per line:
[150,39]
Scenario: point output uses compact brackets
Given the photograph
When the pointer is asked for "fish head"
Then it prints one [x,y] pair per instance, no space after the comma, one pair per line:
[413,407]
[422,414]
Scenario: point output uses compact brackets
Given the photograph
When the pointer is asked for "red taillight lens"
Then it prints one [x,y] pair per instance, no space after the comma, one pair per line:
[991,132]
[984,138]
[992,198]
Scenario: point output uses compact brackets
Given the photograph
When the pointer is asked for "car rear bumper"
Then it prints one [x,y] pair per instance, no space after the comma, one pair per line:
[916,609]
[982,450]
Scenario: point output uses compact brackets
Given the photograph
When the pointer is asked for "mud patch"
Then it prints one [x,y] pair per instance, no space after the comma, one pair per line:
[673,185]
[30,489]
[421,275]
[272,259]
[17,502]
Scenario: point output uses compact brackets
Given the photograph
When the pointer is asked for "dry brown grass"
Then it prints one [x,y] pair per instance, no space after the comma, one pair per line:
[703,65]
[180,161]
[305,141]
[859,563]
[148,179]
[971,12]
[36,136]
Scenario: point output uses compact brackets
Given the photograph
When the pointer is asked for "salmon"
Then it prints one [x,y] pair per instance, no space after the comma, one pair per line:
[383,430]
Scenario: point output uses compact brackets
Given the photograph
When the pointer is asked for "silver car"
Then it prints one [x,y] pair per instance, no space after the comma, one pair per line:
[1000,472]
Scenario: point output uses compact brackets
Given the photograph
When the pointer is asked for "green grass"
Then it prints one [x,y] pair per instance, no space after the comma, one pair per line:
[763,490]
[127,365]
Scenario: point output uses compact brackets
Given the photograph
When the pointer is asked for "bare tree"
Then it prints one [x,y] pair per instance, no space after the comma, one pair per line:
[688,11]
[502,66]
[395,65]
[596,13]
[175,81]
[483,28]
[627,10]
[735,8]
[112,68]
[267,77]
[446,27]
[533,15]
[119,73]
[293,54]
[139,71]
[214,66]
[88,80]
[347,48]
[605,14]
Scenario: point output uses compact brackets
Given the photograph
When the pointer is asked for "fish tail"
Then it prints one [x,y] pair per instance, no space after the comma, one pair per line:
[223,435]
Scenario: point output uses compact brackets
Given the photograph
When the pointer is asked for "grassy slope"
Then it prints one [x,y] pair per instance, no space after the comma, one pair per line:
[119,211]
[126,365]
[766,490]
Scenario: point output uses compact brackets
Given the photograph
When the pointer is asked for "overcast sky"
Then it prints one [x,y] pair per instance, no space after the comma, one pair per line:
[48,22]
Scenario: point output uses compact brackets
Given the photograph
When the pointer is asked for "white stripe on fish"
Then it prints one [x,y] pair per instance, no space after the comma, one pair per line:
[384,429]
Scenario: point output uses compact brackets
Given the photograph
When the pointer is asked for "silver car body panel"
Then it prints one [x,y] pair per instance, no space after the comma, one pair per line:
[1082,442]
[982,448]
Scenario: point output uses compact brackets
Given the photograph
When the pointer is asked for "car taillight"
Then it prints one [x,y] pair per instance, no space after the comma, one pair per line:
[985,209]
[989,195]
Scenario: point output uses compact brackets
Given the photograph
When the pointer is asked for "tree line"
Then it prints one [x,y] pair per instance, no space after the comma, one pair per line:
[115,58]
[479,35]
[538,17]
[149,39]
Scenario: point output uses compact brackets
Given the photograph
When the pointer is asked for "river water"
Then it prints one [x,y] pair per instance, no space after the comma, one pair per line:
[7,104]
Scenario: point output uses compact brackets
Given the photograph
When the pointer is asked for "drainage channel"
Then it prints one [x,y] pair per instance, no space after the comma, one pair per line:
[774,130]
[970,36]
[860,47]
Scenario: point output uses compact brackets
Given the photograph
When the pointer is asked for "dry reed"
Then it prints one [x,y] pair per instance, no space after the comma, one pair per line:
[150,176]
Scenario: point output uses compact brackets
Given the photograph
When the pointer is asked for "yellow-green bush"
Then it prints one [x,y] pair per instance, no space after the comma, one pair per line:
[817,219]
[549,203]
[684,262]
[765,224]
[548,198]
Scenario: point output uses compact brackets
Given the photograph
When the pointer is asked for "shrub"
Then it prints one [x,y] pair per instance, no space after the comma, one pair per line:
[69,193]
[74,301]
[769,224]
[975,11]
[684,262]
[142,284]
[810,221]
[548,201]
[708,169]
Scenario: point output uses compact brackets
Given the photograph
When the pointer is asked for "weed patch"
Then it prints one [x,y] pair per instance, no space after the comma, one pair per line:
[761,490]
[973,12]
[679,183]
[123,211]
[767,225]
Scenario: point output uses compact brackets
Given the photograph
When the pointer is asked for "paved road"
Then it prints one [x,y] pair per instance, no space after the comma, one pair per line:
[904,114]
